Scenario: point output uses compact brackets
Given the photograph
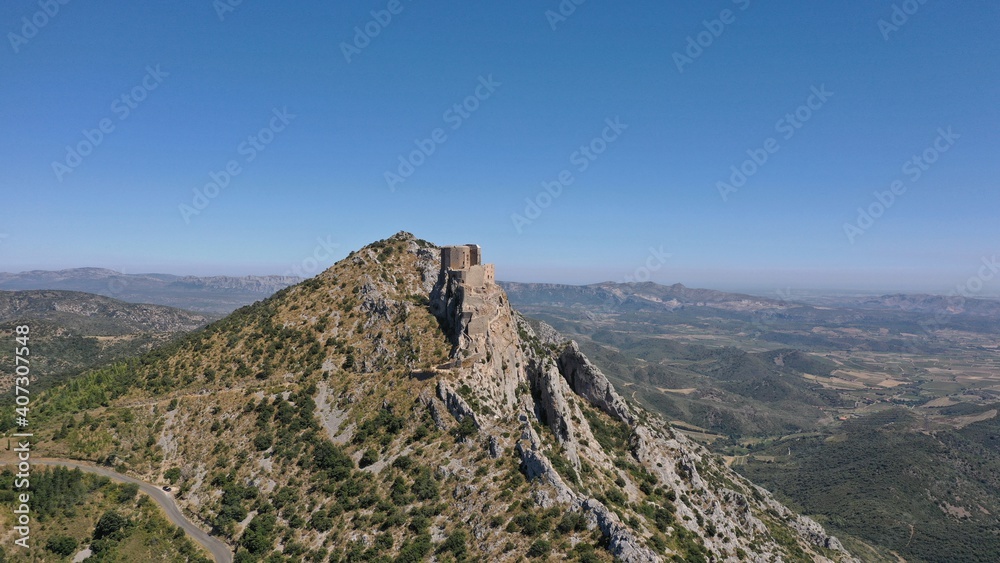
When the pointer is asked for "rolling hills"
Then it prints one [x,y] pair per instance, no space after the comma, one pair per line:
[74,331]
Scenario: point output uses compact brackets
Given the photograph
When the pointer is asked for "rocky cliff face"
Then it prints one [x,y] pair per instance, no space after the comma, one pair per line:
[387,409]
[497,354]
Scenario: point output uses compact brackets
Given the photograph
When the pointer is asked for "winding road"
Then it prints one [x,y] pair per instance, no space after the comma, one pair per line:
[219,550]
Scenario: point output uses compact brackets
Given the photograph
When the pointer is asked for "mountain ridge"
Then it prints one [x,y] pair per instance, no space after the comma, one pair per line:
[638,296]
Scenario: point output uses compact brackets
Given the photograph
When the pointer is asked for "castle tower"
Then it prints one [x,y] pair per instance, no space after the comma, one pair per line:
[465,264]
[475,254]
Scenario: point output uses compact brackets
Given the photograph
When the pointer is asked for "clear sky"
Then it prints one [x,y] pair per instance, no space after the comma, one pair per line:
[310,104]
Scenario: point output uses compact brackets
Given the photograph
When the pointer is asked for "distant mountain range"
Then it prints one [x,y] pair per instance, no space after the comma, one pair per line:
[217,295]
[933,304]
[633,296]
[651,296]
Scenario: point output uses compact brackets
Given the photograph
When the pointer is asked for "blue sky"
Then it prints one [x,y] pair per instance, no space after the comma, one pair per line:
[199,83]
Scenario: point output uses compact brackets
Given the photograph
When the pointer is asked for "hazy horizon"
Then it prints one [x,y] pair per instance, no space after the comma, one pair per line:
[787,291]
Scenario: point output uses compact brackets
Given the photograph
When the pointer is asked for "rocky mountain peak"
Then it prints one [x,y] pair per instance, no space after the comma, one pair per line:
[402,395]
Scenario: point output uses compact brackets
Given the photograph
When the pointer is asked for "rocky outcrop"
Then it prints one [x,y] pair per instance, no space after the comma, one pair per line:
[805,526]
[588,382]
[537,466]
[438,411]
[622,542]
[483,331]
[455,404]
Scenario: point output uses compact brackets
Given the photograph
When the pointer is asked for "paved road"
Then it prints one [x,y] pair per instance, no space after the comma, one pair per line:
[218,549]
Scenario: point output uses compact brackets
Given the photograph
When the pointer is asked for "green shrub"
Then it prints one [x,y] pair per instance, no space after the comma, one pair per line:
[263,441]
[61,545]
[424,486]
[110,523]
[258,538]
[414,550]
[465,430]
[173,475]
[454,544]
[368,458]
[572,522]
[540,548]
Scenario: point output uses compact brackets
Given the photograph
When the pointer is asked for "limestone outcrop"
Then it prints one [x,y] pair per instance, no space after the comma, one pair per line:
[545,385]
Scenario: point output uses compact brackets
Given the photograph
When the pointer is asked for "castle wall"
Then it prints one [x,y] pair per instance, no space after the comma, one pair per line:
[476,276]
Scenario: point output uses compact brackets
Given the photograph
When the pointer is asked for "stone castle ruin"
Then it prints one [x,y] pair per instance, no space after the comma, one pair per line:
[464,297]
[465,264]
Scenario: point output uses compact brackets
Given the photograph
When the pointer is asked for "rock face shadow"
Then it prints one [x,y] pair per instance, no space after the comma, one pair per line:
[423,375]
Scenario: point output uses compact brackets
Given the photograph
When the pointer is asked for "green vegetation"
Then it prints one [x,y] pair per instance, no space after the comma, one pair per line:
[541,548]
[258,538]
[611,434]
[455,544]
[73,509]
[63,546]
[929,497]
